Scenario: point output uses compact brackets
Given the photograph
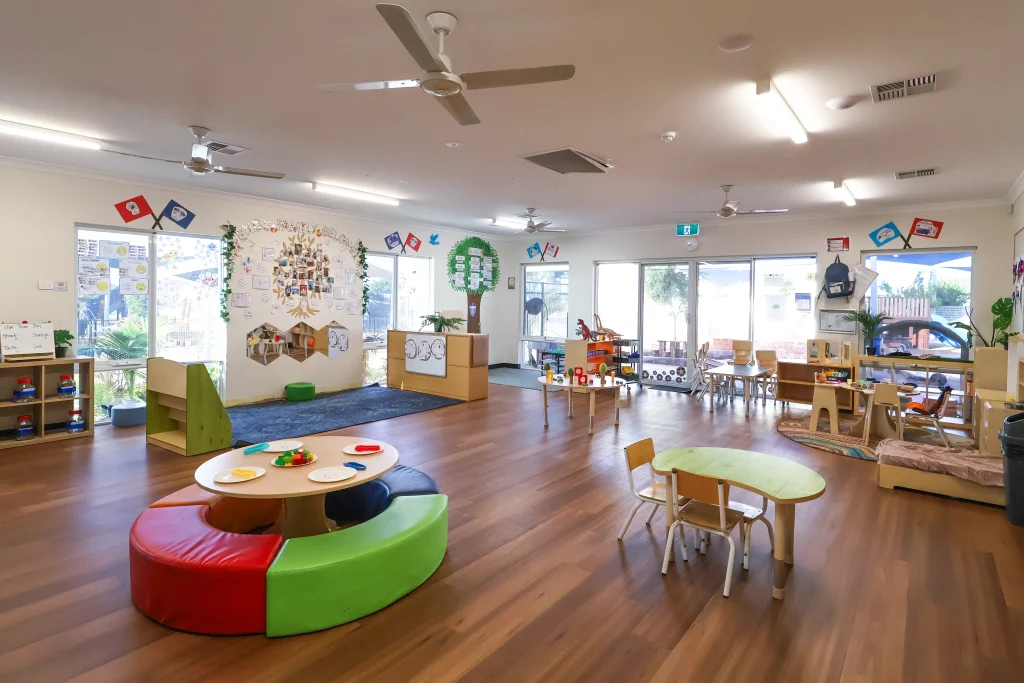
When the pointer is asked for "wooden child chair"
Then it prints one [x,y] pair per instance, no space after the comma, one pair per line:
[932,415]
[637,455]
[767,358]
[824,398]
[699,387]
[887,396]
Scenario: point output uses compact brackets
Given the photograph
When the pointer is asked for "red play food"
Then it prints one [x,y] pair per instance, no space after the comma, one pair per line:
[366,448]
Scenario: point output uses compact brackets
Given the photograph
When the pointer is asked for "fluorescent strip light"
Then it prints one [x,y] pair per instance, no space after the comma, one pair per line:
[355,194]
[22,130]
[507,223]
[843,192]
[779,112]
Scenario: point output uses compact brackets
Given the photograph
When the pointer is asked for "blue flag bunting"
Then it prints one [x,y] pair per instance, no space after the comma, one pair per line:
[178,213]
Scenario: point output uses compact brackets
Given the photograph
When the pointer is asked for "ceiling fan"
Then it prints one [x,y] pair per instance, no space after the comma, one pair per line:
[731,208]
[201,162]
[534,227]
[438,79]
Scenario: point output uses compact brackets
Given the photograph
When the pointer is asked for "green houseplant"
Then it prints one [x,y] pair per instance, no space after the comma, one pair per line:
[440,322]
[62,342]
[869,323]
[1002,316]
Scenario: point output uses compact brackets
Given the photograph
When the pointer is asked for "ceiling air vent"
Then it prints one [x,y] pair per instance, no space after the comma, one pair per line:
[569,160]
[905,88]
[225,148]
[919,173]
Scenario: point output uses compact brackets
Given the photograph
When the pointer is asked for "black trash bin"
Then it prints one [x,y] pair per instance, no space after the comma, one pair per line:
[1012,438]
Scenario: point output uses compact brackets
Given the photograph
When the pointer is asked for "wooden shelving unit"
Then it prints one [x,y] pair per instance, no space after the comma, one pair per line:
[184,413]
[49,412]
[885,369]
[588,354]
[796,383]
[623,357]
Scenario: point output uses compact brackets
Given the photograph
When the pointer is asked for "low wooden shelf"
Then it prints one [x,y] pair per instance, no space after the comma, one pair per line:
[796,383]
[49,412]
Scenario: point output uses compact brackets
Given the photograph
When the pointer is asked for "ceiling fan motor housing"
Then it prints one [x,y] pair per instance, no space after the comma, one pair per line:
[441,84]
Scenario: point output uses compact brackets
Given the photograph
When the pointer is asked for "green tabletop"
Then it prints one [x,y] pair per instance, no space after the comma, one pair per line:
[781,480]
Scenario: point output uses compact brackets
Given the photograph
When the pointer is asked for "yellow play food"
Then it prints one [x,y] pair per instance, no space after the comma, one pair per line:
[243,473]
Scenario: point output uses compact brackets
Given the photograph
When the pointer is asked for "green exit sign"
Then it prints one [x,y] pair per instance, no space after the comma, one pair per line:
[687,229]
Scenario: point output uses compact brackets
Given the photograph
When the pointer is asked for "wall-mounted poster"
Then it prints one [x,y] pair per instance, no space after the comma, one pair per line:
[133,268]
[241,299]
[113,249]
[134,286]
[425,354]
[261,282]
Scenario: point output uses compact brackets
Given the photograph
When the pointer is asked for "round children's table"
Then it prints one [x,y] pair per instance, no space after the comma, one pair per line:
[303,498]
[573,386]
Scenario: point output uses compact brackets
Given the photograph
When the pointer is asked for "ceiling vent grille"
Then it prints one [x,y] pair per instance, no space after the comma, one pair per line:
[225,148]
[569,160]
[905,88]
[919,173]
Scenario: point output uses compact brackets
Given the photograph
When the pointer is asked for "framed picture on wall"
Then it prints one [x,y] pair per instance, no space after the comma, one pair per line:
[511,283]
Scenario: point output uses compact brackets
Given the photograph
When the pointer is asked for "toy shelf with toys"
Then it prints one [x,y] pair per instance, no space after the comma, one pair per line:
[626,361]
[588,354]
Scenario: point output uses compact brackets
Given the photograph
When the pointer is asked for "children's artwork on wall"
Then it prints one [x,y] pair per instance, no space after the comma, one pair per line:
[269,254]
[261,282]
[264,298]
[133,286]
[241,299]
[248,314]
[248,264]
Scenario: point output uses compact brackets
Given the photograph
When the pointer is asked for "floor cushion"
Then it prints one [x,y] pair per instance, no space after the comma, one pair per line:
[190,495]
[128,414]
[985,469]
[323,581]
[190,576]
[364,502]
[299,391]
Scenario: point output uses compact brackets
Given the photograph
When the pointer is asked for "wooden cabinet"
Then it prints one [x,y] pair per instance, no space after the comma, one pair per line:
[796,382]
[990,411]
[588,355]
[49,411]
[465,377]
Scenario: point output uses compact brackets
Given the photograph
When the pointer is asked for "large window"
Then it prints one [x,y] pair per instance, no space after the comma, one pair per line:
[142,295]
[618,297]
[401,291]
[922,292]
[723,305]
[784,291]
[546,300]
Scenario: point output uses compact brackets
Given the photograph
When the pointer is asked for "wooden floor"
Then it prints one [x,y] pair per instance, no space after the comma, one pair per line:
[887,585]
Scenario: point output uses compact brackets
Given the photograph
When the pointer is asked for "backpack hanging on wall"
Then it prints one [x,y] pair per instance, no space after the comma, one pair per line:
[837,281]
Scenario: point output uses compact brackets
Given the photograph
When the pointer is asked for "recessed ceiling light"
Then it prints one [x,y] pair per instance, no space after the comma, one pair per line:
[453,144]
[22,130]
[777,111]
[843,193]
[349,193]
[736,43]
[845,102]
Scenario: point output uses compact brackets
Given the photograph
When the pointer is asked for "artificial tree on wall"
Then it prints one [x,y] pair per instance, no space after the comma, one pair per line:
[461,275]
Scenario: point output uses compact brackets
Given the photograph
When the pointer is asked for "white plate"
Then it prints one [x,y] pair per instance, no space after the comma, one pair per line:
[283,445]
[329,475]
[226,477]
[351,450]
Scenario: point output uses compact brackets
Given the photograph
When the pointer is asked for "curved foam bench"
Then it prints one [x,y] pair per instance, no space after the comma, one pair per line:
[191,576]
[366,501]
[331,579]
[237,515]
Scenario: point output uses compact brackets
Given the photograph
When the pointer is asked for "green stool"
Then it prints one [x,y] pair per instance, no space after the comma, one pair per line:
[299,391]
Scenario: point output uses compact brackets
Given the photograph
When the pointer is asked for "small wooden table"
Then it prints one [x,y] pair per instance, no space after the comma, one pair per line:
[746,373]
[610,385]
[782,481]
[303,498]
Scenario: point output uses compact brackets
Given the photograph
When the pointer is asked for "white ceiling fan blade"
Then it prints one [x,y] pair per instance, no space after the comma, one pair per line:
[542,225]
[248,172]
[406,30]
[757,211]
[459,108]
[368,85]
[733,203]
[140,156]
[550,230]
[509,77]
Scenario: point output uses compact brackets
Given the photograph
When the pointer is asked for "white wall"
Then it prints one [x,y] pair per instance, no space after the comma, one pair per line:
[985,227]
[42,205]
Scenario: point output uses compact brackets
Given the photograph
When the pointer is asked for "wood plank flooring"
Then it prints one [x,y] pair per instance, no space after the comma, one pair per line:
[888,586]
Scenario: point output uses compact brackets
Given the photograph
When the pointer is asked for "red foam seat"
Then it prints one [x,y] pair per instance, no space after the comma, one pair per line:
[190,576]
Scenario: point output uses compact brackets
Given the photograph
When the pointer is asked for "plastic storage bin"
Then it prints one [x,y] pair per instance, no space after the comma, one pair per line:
[1012,438]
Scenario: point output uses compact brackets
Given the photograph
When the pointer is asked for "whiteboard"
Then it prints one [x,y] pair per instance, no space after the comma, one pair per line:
[832,321]
[426,354]
[17,339]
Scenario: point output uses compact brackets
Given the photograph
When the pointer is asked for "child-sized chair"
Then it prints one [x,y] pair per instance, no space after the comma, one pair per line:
[824,398]
[932,415]
[767,358]
[637,455]
[886,396]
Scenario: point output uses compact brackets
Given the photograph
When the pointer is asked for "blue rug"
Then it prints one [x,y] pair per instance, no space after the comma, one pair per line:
[285,420]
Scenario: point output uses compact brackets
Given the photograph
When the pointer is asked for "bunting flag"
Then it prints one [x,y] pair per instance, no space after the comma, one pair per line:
[133,209]
[178,213]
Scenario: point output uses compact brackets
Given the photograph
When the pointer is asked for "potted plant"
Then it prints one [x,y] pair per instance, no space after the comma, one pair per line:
[869,323]
[440,322]
[1002,316]
[62,342]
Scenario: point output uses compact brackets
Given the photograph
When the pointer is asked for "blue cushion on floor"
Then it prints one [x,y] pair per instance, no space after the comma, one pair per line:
[364,502]
[128,414]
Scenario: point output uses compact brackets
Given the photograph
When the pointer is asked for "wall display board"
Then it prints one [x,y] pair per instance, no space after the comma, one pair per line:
[425,354]
[473,269]
[833,321]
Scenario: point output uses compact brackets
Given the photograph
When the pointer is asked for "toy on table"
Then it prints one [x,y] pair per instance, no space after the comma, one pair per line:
[582,380]
[256,448]
[570,373]
[583,330]
[296,458]
[603,370]
[548,372]
[578,372]
[559,378]
[366,448]
[355,465]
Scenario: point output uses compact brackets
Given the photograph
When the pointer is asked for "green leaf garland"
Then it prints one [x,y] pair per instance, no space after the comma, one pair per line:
[362,275]
[228,249]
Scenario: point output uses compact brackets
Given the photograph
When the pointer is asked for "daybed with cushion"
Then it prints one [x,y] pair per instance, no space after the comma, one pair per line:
[960,473]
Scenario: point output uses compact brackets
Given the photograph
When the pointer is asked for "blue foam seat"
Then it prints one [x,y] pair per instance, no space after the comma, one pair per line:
[128,414]
[364,502]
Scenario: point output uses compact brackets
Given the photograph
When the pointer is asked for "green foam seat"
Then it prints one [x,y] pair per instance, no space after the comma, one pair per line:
[322,581]
[300,391]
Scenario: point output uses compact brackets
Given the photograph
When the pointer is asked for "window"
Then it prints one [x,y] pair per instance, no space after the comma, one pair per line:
[142,295]
[400,293]
[723,305]
[922,292]
[784,292]
[618,295]
[546,301]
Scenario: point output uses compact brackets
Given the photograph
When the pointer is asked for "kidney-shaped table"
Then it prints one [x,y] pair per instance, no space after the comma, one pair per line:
[303,498]
[782,481]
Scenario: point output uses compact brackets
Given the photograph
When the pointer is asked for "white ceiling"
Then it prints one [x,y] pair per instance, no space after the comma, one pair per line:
[136,74]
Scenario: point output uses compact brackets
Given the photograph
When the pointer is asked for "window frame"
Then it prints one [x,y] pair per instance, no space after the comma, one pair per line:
[394,291]
[522,303]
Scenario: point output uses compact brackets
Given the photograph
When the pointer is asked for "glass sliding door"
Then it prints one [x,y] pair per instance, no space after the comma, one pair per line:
[400,293]
[545,311]
[723,305]
[618,297]
[784,292]
[665,331]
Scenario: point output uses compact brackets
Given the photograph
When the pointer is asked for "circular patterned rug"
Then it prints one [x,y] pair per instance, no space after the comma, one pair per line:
[852,444]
